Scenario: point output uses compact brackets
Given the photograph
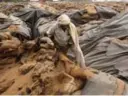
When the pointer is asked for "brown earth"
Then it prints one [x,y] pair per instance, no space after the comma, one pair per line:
[36,72]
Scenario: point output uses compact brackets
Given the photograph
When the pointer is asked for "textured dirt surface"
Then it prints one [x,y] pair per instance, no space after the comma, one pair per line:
[78,5]
[31,71]
[36,73]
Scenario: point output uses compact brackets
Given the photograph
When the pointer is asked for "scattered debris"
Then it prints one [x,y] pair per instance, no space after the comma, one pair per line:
[32,64]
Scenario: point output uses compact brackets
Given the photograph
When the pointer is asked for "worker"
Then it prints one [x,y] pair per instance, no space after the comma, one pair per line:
[64,35]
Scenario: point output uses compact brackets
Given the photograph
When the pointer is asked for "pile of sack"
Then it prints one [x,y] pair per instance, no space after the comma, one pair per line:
[23,42]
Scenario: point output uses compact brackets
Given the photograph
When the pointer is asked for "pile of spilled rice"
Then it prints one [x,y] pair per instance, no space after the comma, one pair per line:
[49,50]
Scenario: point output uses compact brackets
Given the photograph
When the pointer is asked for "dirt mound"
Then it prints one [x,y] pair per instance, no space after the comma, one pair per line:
[35,73]
[30,67]
[81,5]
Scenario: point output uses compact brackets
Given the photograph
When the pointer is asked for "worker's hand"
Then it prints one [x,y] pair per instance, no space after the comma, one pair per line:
[47,40]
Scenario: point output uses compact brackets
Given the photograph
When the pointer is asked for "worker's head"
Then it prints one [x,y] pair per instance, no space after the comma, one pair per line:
[64,20]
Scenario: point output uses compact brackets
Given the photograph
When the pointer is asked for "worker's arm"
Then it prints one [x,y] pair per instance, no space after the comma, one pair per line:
[51,30]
